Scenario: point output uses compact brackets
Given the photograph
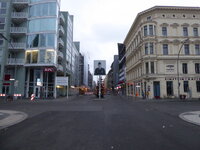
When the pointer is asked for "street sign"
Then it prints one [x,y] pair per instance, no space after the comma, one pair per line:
[61,81]
[99,67]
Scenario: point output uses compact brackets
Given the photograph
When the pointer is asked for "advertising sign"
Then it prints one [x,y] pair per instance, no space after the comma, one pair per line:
[170,68]
[99,67]
[61,81]
[49,69]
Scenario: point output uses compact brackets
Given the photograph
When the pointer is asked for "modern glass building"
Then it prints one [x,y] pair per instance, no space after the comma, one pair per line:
[35,47]
[42,48]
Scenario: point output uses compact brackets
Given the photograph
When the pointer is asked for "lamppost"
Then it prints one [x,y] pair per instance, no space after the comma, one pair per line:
[186,40]
[14,61]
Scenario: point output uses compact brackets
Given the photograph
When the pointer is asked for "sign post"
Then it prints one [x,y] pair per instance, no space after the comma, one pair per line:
[63,81]
[99,70]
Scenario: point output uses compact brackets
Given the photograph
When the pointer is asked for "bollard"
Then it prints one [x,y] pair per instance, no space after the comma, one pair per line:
[32,97]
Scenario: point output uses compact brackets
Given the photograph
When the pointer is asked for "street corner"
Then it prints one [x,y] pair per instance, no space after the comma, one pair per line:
[191,117]
[10,117]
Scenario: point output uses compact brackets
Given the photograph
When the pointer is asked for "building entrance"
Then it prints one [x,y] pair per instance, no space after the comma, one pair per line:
[156,85]
[170,88]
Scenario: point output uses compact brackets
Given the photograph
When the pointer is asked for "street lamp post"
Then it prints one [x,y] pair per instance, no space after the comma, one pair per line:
[186,40]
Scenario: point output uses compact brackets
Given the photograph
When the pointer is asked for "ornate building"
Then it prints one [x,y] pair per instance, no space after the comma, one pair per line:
[153,64]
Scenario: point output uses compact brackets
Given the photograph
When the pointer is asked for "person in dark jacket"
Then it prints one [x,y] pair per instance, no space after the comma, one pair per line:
[99,70]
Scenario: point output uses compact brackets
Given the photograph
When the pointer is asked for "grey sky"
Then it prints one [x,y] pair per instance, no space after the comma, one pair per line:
[100,24]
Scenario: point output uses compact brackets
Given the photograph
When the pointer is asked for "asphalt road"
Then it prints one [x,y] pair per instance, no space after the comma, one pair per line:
[114,123]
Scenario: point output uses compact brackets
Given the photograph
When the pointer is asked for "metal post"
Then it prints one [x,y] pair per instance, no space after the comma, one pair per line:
[99,87]
[178,66]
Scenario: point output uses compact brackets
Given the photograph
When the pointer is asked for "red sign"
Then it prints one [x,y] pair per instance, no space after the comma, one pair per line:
[48,69]
[7,77]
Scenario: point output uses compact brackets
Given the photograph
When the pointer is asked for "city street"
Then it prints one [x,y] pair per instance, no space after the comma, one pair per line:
[86,123]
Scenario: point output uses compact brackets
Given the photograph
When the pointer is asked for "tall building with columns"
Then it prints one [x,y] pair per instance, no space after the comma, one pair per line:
[154,67]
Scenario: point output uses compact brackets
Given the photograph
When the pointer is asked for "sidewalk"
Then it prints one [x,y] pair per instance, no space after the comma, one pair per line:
[191,117]
[72,97]
[9,118]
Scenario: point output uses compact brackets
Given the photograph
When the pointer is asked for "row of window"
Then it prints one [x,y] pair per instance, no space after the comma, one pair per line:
[44,24]
[185,31]
[185,68]
[186,86]
[41,56]
[46,9]
[149,49]
[149,30]
[186,49]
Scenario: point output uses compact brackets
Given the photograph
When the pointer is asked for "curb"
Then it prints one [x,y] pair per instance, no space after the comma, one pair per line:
[191,117]
[13,118]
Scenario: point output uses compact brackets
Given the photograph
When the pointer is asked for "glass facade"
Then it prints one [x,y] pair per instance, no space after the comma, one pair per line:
[46,9]
[42,33]
[44,24]
[41,40]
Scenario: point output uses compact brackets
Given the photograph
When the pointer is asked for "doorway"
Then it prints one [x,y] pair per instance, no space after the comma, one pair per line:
[156,85]
[170,88]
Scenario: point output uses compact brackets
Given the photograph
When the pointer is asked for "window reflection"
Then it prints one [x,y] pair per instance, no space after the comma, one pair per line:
[38,25]
[41,40]
[46,9]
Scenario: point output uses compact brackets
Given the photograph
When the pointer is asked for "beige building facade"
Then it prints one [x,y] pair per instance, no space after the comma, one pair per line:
[153,68]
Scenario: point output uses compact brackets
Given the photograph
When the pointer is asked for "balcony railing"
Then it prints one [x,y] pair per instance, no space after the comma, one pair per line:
[16,61]
[61,30]
[17,46]
[62,19]
[18,30]
[19,15]
[20,1]
[61,43]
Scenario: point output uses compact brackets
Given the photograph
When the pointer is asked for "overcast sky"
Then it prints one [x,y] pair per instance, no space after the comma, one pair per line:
[100,24]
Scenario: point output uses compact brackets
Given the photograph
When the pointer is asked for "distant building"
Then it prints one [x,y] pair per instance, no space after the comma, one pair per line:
[81,69]
[90,80]
[115,68]
[122,68]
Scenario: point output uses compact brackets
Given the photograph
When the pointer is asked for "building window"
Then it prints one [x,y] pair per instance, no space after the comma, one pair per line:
[2,11]
[164,31]
[152,67]
[151,48]
[147,67]
[146,48]
[198,86]
[185,31]
[2,23]
[185,86]
[165,49]
[151,30]
[186,49]
[149,18]
[184,68]
[197,49]
[145,30]
[197,68]
[3,5]
[195,31]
